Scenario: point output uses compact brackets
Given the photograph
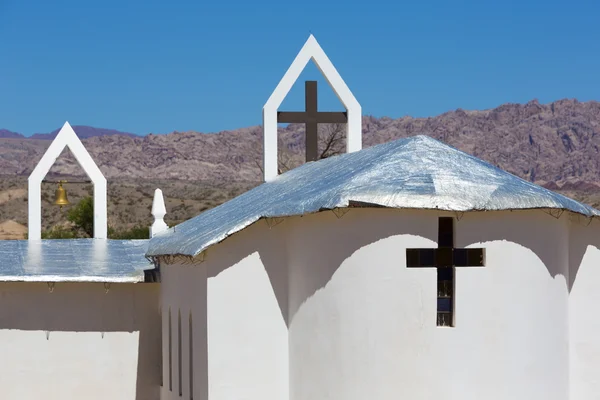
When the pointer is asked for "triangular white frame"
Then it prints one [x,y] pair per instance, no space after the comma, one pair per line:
[66,138]
[310,51]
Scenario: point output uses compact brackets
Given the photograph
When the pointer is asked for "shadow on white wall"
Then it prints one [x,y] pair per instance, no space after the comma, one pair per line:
[85,308]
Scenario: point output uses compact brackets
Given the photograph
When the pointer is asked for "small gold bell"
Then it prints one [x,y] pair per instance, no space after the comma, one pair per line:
[60,196]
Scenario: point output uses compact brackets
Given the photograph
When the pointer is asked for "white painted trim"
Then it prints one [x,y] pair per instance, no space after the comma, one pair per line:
[310,51]
[66,138]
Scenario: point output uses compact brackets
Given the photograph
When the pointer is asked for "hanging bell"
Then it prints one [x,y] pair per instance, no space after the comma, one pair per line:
[60,196]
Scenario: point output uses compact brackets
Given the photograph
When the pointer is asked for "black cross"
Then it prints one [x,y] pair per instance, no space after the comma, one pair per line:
[445,258]
[311,118]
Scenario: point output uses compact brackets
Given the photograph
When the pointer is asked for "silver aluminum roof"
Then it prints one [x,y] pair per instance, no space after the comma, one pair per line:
[73,260]
[417,172]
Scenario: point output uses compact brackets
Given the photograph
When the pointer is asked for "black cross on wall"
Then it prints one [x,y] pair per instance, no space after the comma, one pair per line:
[444,259]
[311,118]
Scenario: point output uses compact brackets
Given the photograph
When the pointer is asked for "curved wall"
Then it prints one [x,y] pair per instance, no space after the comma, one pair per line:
[362,325]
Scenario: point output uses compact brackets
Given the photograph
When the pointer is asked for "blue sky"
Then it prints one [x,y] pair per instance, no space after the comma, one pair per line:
[150,66]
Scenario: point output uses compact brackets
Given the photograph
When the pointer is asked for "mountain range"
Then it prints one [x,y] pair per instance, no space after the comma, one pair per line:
[83,131]
[556,145]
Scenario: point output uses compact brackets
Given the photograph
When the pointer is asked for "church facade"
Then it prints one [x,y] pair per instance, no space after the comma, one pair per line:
[363,300]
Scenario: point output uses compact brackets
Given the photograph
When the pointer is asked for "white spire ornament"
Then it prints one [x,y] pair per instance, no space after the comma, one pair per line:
[158,212]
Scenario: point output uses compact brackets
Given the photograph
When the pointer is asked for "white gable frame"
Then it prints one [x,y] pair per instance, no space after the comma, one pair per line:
[66,138]
[310,51]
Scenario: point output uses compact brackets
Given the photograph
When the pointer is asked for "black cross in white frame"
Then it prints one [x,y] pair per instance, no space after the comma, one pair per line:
[445,258]
[311,117]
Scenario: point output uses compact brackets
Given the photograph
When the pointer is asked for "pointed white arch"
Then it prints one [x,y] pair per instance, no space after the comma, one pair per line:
[66,138]
[310,51]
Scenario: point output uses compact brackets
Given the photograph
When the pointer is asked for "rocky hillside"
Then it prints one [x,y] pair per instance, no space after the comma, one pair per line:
[553,144]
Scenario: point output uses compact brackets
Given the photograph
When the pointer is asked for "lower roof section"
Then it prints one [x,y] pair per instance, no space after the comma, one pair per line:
[74,260]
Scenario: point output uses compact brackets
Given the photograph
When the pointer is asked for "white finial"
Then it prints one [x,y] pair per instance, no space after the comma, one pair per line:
[310,51]
[66,138]
[158,212]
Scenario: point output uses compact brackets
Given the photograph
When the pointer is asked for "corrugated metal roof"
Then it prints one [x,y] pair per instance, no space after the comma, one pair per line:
[73,260]
[417,172]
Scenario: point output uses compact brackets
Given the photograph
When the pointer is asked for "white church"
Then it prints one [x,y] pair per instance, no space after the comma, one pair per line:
[408,270]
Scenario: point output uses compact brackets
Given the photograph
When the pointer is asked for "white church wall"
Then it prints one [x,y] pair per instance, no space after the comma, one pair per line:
[79,341]
[247,304]
[236,295]
[184,352]
[362,325]
[584,257]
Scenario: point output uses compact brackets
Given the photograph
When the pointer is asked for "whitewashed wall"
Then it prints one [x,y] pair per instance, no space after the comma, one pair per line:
[584,314]
[362,325]
[245,337]
[319,308]
[247,331]
[183,296]
[79,342]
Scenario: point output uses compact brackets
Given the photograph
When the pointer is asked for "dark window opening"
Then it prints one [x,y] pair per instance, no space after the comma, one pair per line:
[445,288]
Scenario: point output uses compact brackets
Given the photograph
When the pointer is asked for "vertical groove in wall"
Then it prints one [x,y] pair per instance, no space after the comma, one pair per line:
[179,354]
[162,343]
[191,368]
[170,353]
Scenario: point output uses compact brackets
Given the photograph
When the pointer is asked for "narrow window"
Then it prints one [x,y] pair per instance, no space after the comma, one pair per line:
[170,354]
[191,339]
[445,284]
[179,363]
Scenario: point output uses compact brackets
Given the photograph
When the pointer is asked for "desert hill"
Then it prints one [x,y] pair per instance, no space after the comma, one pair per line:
[556,145]
[545,143]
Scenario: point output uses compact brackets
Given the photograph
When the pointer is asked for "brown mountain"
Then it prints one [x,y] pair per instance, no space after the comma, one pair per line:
[552,144]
